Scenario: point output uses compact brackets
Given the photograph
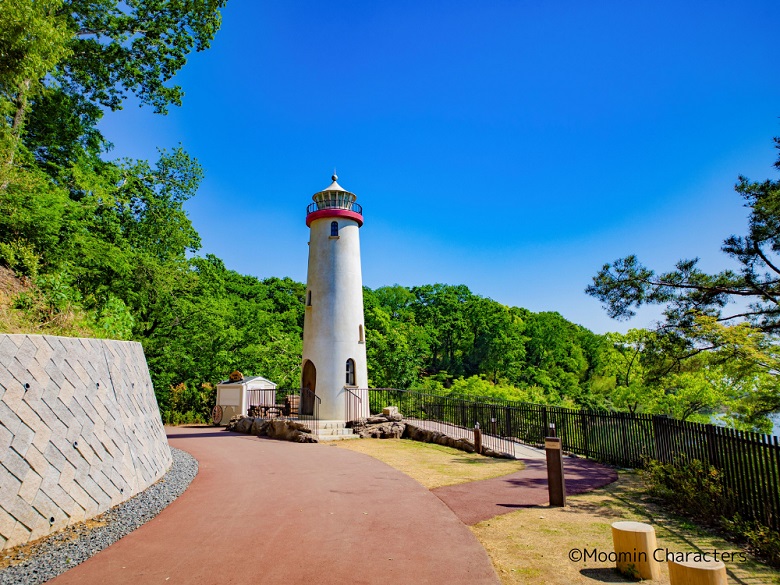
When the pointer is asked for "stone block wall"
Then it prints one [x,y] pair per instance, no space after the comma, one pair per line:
[80,431]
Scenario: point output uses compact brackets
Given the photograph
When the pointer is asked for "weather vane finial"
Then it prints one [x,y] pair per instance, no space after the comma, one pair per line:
[335,176]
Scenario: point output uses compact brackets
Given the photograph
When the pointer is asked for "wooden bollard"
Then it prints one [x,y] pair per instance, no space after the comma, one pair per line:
[477,439]
[556,481]
[634,544]
[697,572]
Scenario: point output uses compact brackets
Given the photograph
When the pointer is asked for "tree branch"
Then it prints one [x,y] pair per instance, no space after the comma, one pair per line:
[760,252]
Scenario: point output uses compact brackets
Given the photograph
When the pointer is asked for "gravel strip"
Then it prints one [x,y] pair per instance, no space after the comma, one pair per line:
[75,544]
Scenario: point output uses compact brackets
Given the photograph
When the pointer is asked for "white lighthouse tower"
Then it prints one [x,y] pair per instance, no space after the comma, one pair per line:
[334,350]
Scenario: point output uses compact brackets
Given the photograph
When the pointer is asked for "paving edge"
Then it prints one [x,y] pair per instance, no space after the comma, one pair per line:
[63,550]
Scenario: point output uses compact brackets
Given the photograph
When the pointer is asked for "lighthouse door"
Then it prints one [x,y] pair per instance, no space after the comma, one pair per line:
[309,380]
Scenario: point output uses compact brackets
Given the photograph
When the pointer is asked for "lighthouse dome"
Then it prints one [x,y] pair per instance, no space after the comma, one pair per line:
[334,197]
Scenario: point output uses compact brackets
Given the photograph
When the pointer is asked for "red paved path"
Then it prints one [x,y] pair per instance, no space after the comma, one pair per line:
[263,511]
[480,500]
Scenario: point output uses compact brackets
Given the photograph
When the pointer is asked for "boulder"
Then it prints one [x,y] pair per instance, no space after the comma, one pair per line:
[259,427]
[389,411]
[386,430]
[244,425]
[282,430]
[285,430]
[356,425]
[231,426]
[425,436]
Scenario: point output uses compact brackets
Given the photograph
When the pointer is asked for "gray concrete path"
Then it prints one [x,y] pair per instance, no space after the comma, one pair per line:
[264,511]
[500,444]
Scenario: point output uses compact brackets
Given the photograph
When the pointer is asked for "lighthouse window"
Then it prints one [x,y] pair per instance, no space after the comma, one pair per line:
[308,299]
[334,228]
[350,372]
[361,339]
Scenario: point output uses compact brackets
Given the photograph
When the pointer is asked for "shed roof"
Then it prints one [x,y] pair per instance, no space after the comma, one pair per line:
[247,380]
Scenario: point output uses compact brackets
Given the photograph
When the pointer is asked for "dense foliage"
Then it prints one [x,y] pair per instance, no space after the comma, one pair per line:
[694,490]
[106,249]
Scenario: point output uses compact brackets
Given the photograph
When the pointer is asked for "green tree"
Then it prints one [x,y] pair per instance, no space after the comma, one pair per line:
[33,40]
[395,345]
[623,361]
[734,315]
[555,360]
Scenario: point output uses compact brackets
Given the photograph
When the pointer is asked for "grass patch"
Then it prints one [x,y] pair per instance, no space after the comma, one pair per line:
[432,465]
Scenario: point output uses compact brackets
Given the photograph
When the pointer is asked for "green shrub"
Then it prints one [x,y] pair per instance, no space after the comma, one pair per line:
[114,319]
[690,488]
[20,257]
[761,540]
[185,405]
[693,489]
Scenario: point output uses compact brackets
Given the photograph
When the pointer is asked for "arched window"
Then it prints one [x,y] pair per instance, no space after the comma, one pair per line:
[334,228]
[308,299]
[361,339]
[350,372]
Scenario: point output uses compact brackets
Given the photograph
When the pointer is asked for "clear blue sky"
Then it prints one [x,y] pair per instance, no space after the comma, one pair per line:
[513,146]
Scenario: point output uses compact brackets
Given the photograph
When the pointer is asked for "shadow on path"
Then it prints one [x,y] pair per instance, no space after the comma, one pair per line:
[480,500]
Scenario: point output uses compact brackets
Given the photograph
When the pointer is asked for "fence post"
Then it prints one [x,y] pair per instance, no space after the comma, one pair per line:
[710,432]
[544,422]
[477,439]
[659,436]
[624,434]
[585,432]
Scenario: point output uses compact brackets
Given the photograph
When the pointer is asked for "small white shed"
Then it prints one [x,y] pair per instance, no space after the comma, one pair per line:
[237,397]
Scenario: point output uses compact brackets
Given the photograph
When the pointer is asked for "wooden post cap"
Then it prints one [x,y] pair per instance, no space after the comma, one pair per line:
[626,526]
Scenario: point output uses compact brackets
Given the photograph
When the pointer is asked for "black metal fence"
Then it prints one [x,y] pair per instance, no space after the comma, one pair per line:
[749,462]
[355,403]
[299,404]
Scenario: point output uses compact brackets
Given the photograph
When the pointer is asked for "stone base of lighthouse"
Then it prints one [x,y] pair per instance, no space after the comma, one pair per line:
[334,430]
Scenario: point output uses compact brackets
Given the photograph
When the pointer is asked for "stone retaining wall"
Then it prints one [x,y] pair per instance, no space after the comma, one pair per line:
[80,431]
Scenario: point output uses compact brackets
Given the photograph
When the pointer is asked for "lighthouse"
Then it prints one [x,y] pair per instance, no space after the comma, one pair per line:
[334,349]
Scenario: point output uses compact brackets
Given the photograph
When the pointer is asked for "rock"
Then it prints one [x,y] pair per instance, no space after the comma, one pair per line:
[282,430]
[497,454]
[302,437]
[376,420]
[356,425]
[389,411]
[417,434]
[464,445]
[386,430]
[244,425]
[259,427]
[296,426]
[285,430]
[233,421]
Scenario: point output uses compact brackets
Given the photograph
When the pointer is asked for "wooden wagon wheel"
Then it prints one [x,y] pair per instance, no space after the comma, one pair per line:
[216,414]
